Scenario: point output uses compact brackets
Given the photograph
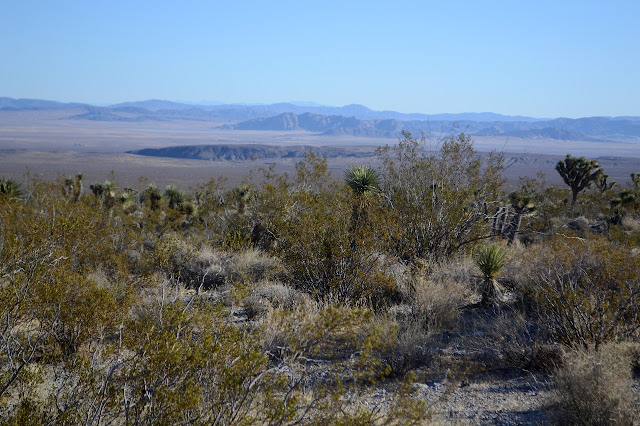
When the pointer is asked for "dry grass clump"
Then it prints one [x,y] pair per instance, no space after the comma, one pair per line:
[434,293]
[594,388]
[200,269]
[253,265]
[505,338]
[631,223]
[411,348]
[438,303]
[579,224]
[325,331]
[272,295]
[205,269]
[514,274]
[462,271]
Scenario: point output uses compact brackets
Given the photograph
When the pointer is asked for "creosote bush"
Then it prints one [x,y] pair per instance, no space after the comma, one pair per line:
[438,198]
[587,291]
[328,245]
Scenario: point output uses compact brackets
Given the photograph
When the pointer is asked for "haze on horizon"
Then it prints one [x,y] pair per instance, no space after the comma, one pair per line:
[541,59]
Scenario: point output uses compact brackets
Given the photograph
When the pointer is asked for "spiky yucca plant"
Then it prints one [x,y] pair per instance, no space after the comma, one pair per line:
[362,179]
[10,189]
[490,261]
[128,201]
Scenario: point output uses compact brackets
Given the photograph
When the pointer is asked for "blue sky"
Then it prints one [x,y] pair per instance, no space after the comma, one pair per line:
[543,58]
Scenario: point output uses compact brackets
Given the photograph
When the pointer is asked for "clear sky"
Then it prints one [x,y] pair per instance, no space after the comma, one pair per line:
[537,58]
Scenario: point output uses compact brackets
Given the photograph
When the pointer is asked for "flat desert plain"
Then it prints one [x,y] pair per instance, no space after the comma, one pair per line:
[49,144]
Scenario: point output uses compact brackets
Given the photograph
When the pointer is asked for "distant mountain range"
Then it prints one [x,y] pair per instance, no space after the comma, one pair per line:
[596,129]
[238,112]
[11,104]
[353,110]
[354,120]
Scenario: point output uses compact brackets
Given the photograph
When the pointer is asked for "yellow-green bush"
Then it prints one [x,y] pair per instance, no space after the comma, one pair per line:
[310,220]
[95,327]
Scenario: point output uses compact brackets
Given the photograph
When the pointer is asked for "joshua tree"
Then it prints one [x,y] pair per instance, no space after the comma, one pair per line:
[189,208]
[97,190]
[602,184]
[522,204]
[153,194]
[73,186]
[106,191]
[109,193]
[10,189]
[490,261]
[500,221]
[243,194]
[635,179]
[128,201]
[628,199]
[175,196]
[578,173]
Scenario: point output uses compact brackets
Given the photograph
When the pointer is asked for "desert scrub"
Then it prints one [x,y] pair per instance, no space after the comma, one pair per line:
[438,201]
[586,291]
[328,237]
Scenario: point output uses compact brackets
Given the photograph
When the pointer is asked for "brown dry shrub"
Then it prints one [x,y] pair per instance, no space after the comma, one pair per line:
[594,388]
[322,331]
[411,348]
[253,265]
[514,274]
[505,338]
[439,303]
[434,295]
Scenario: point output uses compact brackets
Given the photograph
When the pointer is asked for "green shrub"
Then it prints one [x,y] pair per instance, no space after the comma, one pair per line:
[438,201]
[587,291]
[326,250]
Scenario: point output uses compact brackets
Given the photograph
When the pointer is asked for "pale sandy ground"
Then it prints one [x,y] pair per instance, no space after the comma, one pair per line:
[47,143]
[512,398]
